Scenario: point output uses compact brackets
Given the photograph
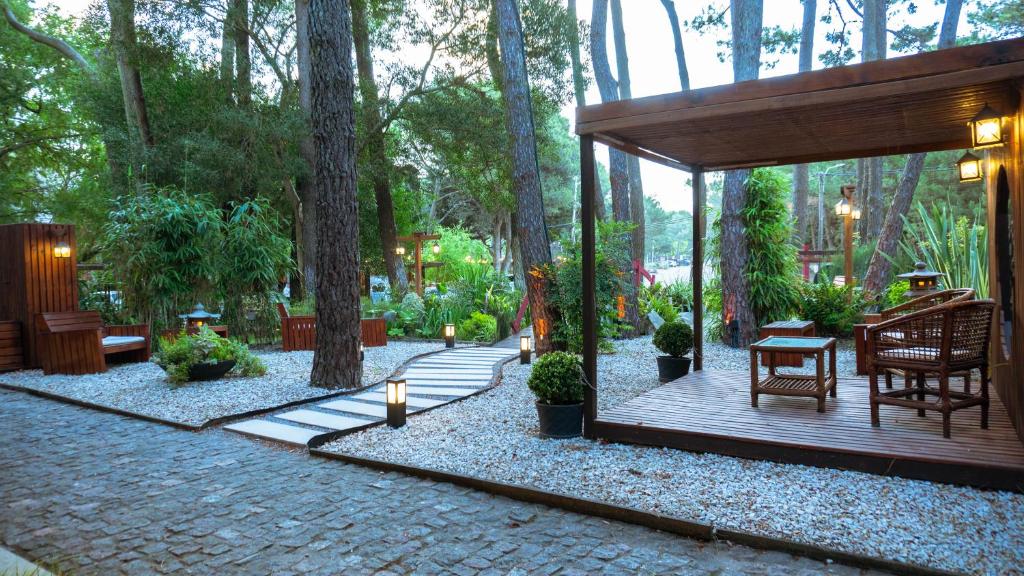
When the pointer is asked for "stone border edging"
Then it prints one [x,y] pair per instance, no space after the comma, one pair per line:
[629,515]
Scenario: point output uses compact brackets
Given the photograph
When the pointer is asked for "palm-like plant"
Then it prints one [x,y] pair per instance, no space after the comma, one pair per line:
[956,247]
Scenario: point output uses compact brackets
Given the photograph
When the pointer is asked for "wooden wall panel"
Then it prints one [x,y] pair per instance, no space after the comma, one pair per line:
[11,351]
[33,281]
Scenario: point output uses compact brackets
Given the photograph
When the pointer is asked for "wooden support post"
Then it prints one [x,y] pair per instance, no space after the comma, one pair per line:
[848,249]
[697,267]
[419,267]
[589,298]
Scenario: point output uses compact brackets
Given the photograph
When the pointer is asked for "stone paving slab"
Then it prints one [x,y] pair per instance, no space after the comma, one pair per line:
[323,419]
[352,407]
[110,495]
[409,401]
[440,391]
[274,431]
[447,375]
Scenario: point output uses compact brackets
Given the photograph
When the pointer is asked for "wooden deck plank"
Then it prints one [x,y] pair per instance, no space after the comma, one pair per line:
[710,411]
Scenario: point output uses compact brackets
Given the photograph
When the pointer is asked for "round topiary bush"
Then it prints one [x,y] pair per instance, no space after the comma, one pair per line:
[557,378]
[674,338]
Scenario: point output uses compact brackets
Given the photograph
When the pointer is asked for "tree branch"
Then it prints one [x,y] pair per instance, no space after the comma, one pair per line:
[57,44]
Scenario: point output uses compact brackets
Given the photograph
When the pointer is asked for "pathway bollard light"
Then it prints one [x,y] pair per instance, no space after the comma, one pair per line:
[362,352]
[449,335]
[396,402]
[524,349]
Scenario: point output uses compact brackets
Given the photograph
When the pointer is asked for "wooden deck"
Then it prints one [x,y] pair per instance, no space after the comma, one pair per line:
[709,411]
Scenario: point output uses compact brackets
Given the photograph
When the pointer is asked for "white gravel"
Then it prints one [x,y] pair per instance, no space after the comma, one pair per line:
[494,436]
[143,387]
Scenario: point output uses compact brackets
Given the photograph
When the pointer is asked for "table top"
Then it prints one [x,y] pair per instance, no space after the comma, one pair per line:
[799,343]
[797,324]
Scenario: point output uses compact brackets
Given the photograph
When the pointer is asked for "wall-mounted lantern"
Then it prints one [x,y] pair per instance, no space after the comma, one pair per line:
[969,168]
[396,402]
[987,129]
[62,249]
[449,335]
[524,350]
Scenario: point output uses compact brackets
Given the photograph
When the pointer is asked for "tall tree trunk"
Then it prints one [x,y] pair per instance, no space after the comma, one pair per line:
[125,46]
[580,89]
[636,187]
[376,149]
[619,169]
[677,43]
[243,56]
[873,48]
[878,269]
[746,19]
[336,359]
[801,172]
[305,182]
[534,246]
[227,53]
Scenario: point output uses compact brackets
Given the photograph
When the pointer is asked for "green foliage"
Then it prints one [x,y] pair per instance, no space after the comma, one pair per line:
[834,309]
[955,246]
[668,300]
[177,355]
[463,257]
[674,338]
[771,269]
[479,327]
[557,378]
[894,294]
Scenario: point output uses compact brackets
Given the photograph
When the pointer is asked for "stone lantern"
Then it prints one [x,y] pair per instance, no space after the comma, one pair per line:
[922,281]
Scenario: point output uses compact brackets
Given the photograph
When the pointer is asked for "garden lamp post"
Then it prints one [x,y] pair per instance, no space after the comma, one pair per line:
[849,213]
[449,335]
[418,238]
[524,349]
[396,389]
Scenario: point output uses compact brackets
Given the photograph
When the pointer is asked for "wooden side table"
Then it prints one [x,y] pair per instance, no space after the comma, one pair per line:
[816,386]
[787,328]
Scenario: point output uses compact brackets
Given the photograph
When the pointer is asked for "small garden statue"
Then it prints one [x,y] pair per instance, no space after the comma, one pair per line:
[676,340]
[557,382]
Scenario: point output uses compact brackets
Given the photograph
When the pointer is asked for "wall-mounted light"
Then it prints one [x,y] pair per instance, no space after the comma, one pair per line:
[969,168]
[449,335]
[524,350]
[62,250]
[396,389]
[987,129]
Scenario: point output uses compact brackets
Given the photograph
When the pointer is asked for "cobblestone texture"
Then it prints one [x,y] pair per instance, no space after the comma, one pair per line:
[102,494]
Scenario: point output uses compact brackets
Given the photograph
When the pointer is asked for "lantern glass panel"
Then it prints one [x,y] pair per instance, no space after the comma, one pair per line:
[524,343]
[988,132]
[970,169]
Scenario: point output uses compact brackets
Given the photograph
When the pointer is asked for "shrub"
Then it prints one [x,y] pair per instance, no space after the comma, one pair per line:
[674,338]
[771,270]
[834,309]
[956,247]
[894,294]
[479,327]
[178,355]
[557,378]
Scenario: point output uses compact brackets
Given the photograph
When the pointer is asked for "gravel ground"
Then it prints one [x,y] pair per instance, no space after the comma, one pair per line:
[143,387]
[494,435]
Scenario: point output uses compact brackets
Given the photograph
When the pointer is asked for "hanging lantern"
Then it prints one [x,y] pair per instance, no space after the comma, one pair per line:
[524,349]
[620,304]
[449,335]
[987,129]
[969,168]
[843,208]
[62,250]
[396,402]
[436,248]
[400,250]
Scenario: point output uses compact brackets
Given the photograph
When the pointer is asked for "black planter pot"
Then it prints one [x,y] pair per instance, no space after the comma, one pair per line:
[671,368]
[207,371]
[560,420]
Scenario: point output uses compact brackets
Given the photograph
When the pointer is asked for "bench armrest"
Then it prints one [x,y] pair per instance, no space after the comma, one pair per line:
[127,330]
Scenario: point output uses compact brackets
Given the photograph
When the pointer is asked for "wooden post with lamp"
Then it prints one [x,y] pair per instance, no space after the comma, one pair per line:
[418,238]
[849,213]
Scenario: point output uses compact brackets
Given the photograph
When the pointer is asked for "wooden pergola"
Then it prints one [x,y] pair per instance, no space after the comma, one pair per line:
[903,105]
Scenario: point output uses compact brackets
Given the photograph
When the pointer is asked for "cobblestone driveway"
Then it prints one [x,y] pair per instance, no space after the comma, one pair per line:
[103,494]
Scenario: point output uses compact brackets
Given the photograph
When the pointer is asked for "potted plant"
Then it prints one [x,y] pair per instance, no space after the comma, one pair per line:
[675,339]
[557,382]
[205,356]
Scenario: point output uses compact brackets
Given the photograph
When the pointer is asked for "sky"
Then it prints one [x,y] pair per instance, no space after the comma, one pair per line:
[652,62]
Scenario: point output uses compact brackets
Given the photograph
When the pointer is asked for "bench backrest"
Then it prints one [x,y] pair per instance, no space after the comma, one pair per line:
[59,322]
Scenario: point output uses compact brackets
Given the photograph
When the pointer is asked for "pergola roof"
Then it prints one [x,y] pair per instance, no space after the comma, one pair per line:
[910,104]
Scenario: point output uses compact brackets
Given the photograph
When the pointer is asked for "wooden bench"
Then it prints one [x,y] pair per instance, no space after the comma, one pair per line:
[79,343]
[12,351]
[299,332]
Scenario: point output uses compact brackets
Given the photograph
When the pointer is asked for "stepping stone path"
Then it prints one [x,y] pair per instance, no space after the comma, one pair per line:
[432,381]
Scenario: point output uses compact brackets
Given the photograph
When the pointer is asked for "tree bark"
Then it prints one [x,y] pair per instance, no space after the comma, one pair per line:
[879,268]
[677,43]
[580,90]
[305,183]
[801,172]
[125,46]
[227,53]
[636,187]
[376,149]
[336,359]
[243,56]
[619,169]
[746,19]
[873,48]
[535,249]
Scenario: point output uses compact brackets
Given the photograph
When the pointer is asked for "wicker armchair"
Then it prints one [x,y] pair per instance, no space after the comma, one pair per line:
[919,303]
[940,341]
